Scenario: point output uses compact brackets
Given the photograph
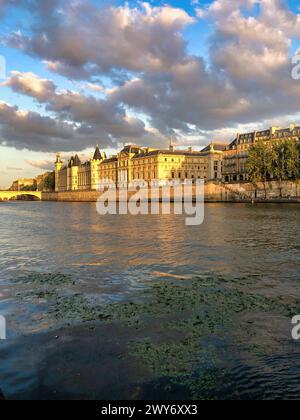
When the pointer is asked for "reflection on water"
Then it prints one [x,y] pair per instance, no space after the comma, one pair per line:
[67,256]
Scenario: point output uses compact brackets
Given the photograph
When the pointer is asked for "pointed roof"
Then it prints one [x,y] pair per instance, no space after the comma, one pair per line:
[70,163]
[97,154]
[76,161]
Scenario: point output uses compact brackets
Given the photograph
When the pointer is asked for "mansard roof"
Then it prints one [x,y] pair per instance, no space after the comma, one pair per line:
[111,159]
[168,153]
[218,147]
[132,149]
[232,144]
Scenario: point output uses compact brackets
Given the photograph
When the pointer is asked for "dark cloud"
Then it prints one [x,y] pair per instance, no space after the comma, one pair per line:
[78,121]
[29,130]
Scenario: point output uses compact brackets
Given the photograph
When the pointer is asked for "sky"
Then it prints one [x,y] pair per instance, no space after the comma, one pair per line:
[87,72]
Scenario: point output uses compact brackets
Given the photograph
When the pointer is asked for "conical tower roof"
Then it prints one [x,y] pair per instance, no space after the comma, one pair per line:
[97,154]
[76,161]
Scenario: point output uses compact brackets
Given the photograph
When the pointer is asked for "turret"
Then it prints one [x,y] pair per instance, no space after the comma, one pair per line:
[58,162]
[95,170]
[97,154]
[58,167]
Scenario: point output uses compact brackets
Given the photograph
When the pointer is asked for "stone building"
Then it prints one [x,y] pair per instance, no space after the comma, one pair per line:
[235,156]
[23,183]
[135,162]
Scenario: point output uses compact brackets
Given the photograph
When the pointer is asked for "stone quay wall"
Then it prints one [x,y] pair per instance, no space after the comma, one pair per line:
[214,192]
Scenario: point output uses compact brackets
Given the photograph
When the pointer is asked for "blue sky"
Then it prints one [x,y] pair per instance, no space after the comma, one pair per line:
[109,72]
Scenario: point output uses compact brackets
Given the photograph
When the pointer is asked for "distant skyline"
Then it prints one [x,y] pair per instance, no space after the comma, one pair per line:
[87,72]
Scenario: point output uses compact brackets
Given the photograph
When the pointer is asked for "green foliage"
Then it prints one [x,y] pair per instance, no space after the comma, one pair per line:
[29,188]
[286,164]
[49,182]
[260,163]
[279,161]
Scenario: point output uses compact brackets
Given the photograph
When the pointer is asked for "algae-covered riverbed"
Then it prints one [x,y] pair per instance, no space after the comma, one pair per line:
[170,313]
[188,336]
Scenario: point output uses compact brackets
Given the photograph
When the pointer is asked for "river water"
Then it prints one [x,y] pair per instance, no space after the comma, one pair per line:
[126,307]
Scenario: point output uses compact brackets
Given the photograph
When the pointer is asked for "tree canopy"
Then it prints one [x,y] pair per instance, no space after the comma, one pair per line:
[279,161]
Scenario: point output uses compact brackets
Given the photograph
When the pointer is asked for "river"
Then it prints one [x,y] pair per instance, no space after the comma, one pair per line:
[132,307]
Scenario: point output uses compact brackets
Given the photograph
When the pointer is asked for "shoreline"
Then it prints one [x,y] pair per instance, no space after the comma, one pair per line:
[287,192]
[253,203]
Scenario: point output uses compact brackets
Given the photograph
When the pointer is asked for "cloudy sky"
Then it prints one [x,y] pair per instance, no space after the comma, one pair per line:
[86,72]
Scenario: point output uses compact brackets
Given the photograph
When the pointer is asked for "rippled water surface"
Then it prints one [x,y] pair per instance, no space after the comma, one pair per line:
[145,307]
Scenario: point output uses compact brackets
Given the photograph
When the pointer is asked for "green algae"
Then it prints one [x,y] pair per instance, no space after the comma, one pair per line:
[203,305]
[38,294]
[198,297]
[74,307]
[186,363]
[174,327]
[40,279]
[201,309]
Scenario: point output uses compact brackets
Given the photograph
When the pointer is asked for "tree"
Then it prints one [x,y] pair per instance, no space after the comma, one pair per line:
[49,182]
[260,163]
[28,188]
[286,161]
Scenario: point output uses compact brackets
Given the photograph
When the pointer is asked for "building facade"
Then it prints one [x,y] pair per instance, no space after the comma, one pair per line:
[235,156]
[135,162]
[23,183]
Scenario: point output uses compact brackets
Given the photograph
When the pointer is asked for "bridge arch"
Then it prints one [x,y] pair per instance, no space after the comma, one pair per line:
[11,195]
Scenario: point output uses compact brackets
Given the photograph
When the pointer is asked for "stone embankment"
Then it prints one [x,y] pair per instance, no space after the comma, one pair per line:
[214,192]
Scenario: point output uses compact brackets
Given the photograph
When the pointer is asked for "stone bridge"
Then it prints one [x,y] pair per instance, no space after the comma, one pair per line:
[12,195]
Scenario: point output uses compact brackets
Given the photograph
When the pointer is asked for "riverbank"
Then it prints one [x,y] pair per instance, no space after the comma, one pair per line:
[214,192]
